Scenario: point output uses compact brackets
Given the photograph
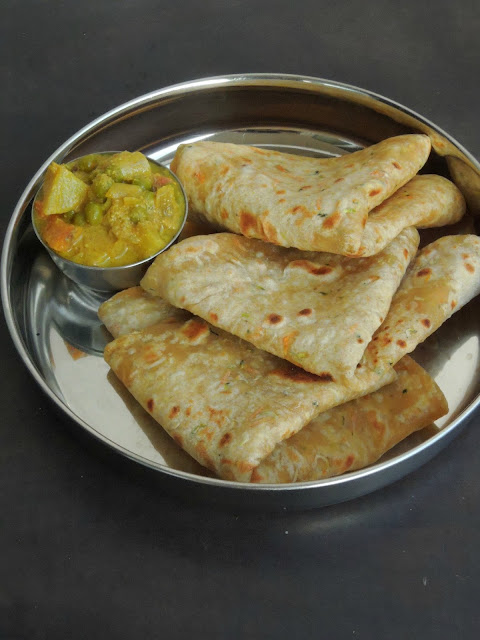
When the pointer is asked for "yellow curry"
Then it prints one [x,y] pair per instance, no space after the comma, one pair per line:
[109,210]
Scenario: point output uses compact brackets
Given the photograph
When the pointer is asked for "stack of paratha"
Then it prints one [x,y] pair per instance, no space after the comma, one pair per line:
[267,358]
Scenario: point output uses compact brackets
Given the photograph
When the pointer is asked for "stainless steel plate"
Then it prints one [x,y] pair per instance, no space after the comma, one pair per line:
[54,324]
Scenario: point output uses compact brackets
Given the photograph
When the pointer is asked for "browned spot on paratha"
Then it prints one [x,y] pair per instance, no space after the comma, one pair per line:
[194,329]
[426,271]
[174,411]
[331,221]
[150,404]
[426,322]
[247,222]
[311,267]
[274,318]
[305,312]
[225,439]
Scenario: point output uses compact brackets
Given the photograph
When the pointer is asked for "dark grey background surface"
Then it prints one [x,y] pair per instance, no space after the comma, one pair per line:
[92,547]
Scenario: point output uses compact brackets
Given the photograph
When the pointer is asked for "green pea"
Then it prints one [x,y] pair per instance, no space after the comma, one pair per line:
[101,184]
[137,214]
[87,163]
[93,212]
[79,219]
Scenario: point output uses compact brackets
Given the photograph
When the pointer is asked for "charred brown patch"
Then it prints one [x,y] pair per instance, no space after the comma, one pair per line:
[281,200]
[247,222]
[339,180]
[213,316]
[312,268]
[305,312]
[470,268]
[374,192]
[386,340]
[194,329]
[150,404]
[349,461]
[453,304]
[225,439]
[224,214]
[465,256]
[426,322]
[282,169]
[188,411]
[280,192]
[274,318]
[174,412]
[359,340]
[305,187]
[424,272]
[405,253]
[402,343]
[301,210]
[331,221]
[396,165]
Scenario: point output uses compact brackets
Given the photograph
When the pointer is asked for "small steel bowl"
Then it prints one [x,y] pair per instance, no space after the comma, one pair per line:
[107,278]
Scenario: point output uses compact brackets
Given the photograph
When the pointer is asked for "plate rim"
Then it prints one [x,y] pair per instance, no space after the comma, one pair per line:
[422,452]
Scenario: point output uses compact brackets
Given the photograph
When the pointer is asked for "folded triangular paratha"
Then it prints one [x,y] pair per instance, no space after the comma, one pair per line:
[314,204]
[316,310]
[224,401]
[356,434]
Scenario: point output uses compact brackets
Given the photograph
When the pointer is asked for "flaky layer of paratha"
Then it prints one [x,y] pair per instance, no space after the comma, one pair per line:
[356,434]
[316,310]
[314,204]
[425,201]
[225,402]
